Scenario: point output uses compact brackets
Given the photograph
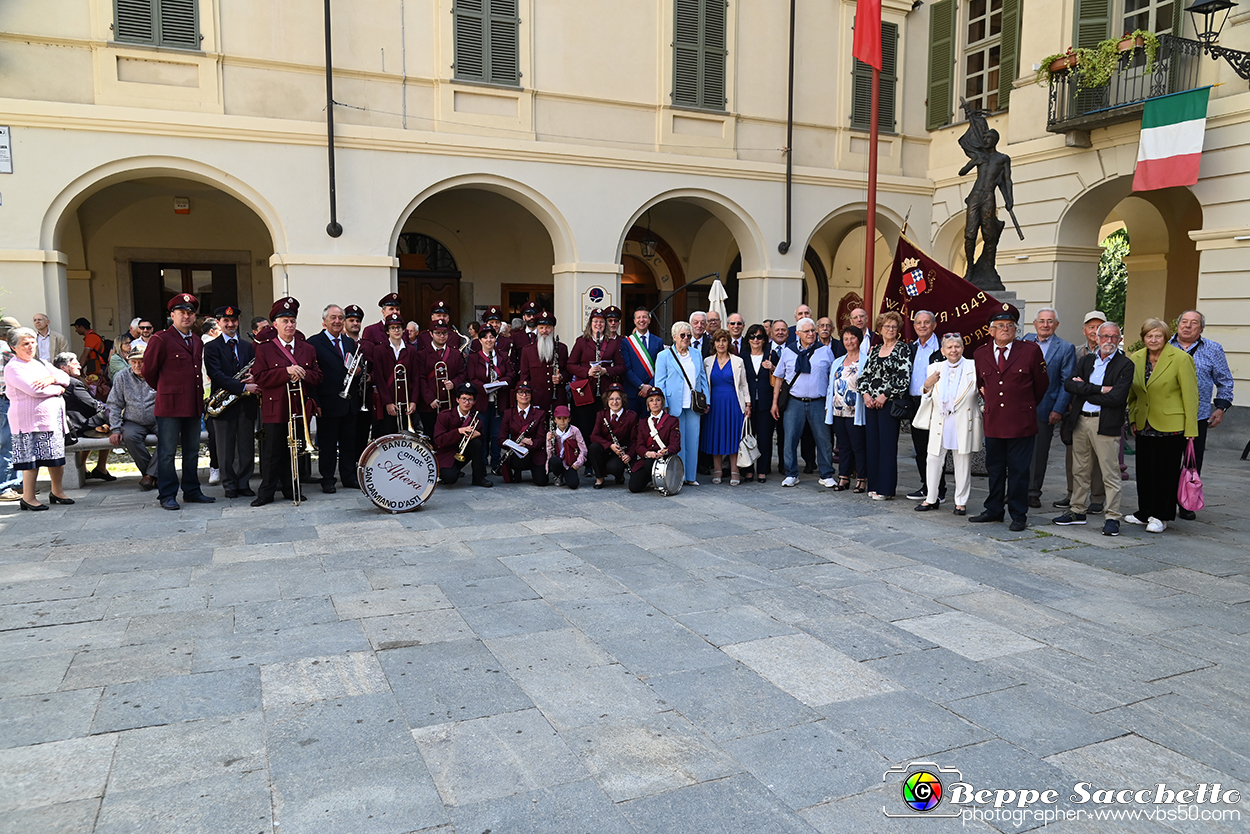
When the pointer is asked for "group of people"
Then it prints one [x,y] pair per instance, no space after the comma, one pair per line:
[512,401]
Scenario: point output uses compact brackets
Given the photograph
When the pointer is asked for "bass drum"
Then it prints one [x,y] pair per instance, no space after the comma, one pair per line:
[668,474]
[398,472]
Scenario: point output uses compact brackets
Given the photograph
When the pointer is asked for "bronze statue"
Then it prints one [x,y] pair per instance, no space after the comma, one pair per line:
[980,144]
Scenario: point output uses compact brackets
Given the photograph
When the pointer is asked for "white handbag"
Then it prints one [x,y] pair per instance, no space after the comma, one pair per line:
[748,446]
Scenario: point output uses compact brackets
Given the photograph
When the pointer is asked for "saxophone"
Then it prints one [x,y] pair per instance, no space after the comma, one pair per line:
[223,399]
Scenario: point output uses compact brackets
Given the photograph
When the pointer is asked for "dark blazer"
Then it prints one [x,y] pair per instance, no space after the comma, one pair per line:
[1119,376]
[478,373]
[534,427]
[520,341]
[271,375]
[626,425]
[760,385]
[426,360]
[173,371]
[220,365]
[81,409]
[382,365]
[1060,368]
[333,372]
[706,348]
[1012,395]
[447,436]
[636,373]
[669,431]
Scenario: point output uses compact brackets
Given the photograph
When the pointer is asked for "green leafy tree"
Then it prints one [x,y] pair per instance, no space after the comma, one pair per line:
[1113,276]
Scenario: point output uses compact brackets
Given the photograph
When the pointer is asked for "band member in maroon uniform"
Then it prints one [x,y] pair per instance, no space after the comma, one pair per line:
[525,336]
[450,431]
[614,316]
[525,425]
[657,435]
[439,311]
[376,332]
[594,363]
[503,344]
[436,393]
[612,437]
[284,362]
[397,392]
[489,366]
[171,365]
[545,364]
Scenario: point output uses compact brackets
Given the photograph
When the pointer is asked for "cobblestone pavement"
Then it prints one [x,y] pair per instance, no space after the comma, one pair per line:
[746,659]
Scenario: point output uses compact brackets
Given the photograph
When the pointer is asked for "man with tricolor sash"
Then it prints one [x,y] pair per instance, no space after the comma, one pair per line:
[639,351]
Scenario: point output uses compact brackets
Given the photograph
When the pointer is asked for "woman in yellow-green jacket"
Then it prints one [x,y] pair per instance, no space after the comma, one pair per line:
[1163,414]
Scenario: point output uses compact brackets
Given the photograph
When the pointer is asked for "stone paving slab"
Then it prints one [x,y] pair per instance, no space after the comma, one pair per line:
[747,659]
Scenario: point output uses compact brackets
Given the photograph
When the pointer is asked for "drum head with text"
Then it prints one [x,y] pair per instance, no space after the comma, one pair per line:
[398,472]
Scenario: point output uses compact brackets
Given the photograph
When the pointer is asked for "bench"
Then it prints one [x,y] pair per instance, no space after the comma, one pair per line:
[76,473]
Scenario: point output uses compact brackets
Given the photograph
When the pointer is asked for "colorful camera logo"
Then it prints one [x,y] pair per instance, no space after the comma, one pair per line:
[922,789]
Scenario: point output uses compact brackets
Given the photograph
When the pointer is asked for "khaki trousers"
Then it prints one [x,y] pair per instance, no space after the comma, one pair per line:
[1094,455]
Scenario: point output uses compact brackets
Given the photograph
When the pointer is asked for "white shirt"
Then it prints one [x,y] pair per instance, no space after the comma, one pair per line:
[687,363]
[756,361]
[44,347]
[1005,351]
[138,343]
[397,349]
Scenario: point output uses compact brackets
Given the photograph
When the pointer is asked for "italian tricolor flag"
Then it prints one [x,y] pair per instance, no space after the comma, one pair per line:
[1172,128]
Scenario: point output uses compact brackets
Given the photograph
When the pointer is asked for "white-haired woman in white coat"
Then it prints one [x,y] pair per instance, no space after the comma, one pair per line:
[950,407]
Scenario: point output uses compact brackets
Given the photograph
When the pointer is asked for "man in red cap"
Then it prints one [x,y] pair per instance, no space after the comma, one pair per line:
[545,364]
[503,344]
[235,428]
[525,425]
[287,371]
[172,366]
[376,332]
[438,312]
[450,431]
[524,337]
[436,388]
[397,391]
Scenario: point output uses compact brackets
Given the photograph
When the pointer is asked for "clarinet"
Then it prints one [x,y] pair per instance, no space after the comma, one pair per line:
[615,441]
[597,358]
[508,453]
[551,375]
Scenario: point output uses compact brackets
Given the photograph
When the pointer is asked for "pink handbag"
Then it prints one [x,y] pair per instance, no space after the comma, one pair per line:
[1189,493]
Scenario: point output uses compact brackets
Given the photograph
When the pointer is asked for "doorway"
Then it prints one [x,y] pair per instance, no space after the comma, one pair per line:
[154,284]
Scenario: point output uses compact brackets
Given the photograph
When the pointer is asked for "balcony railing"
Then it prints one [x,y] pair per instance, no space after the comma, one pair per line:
[1175,70]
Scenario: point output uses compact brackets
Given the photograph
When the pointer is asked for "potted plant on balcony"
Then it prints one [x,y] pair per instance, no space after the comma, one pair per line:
[1094,67]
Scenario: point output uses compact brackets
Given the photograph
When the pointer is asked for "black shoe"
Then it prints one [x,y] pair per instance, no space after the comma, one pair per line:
[1035,503]
[1018,525]
[170,504]
[260,502]
[1062,503]
[56,499]
[101,475]
[200,498]
[247,493]
[918,495]
[34,507]
[485,482]
[328,489]
[350,485]
[961,511]
[598,486]
[984,517]
[231,493]
[1188,515]
[924,506]
[1094,509]
[809,469]
[1111,527]
[1069,518]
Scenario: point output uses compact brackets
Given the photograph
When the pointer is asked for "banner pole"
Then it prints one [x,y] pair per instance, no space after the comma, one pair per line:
[870,237]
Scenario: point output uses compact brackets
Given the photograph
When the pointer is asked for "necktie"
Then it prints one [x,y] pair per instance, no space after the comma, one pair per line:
[187,339]
[234,348]
[737,347]
[1002,358]
[339,347]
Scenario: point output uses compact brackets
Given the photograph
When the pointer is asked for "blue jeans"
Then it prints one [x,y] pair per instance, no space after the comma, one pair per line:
[9,479]
[689,423]
[798,414]
[172,432]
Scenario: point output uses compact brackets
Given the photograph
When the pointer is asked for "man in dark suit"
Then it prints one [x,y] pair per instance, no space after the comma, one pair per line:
[336,421]
[172,366]
[1060,356]
[235,429]
[1099,388]
[639,350]
[1012,378]
[701,339]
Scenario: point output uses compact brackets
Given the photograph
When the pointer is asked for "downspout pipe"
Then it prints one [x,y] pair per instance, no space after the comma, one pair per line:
[784,246]
[333,228]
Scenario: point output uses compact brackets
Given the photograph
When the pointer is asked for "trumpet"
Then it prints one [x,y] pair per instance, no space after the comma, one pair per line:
[298,445]
[402,418]
[440,381]
[353,368]
[468,438]
[223,399]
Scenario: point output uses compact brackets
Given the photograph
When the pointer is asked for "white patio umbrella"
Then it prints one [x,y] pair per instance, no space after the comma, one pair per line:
[716,300]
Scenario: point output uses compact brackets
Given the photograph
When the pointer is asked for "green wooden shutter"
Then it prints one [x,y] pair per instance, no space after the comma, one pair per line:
[713,82]
[699,53]
[503,44]
[861,86]
[1178,19]
[1093,22]
[134,21]
[470,40]
[1009,52]
[686,50]
[179,23]
[941,64]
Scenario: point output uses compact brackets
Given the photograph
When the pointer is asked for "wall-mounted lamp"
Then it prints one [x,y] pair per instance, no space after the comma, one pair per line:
[648,242]
[1208,17]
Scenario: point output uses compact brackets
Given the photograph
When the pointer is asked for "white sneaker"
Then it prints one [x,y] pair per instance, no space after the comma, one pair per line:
[789,482]
[214,477]
[1156,526]
[1132,519]
[828,482]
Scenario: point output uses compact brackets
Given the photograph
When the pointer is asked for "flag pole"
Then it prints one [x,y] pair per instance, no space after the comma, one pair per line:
[870,235]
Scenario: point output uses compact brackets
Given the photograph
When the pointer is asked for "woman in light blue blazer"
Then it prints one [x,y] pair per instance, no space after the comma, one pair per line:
[678,372]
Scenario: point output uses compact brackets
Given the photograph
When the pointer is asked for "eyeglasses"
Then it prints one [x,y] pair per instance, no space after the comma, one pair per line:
[758,337]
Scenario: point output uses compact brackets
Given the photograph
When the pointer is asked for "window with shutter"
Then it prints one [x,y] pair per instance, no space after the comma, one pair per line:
[941,63]
[887,94]
[487,41]
[699,53]
[168,23]
[974,48]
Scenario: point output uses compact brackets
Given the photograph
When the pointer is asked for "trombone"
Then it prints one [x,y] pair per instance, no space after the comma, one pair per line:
[440,380]
[298,445]
[468,438]
[403,420]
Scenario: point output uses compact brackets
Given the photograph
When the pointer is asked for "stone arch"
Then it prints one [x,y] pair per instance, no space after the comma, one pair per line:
[545,211]
[845,227]
[741,225]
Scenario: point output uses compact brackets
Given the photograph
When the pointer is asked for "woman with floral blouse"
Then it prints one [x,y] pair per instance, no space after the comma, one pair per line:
[886,377]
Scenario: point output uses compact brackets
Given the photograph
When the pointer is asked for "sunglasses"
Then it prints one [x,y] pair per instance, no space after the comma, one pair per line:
[683,336]
[758,337]
[145,328]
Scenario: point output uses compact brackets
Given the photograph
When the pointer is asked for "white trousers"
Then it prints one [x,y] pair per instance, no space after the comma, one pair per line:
[963,477]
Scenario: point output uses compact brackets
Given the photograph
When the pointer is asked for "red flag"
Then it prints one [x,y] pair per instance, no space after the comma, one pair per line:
[867,44]
[917,282]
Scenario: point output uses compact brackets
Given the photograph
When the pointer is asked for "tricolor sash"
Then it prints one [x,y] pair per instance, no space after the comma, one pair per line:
[639,347]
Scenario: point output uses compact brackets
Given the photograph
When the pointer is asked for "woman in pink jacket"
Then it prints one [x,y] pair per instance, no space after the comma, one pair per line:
[37,415]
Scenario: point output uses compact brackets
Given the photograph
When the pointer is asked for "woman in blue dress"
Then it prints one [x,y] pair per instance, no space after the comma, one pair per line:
[730,405]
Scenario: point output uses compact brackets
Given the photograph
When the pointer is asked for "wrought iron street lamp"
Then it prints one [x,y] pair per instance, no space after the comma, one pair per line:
[649,241]
[1205,15]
